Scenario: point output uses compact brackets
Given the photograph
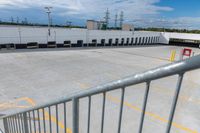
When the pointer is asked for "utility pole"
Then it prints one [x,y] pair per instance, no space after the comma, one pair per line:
[48,11]
[107,17]
[12,20]
[26,20]
[17,20]
[116,19]
[121,18]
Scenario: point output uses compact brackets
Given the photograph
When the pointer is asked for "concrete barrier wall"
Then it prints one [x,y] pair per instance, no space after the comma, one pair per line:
[25,34]
[165,36]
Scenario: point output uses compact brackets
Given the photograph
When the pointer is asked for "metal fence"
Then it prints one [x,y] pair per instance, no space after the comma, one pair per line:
[35,120]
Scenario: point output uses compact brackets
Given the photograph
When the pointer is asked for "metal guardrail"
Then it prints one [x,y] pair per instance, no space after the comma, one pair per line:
[25,121]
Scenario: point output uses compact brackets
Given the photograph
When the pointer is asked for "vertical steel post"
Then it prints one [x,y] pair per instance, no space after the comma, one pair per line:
[16,124]
[57,127]
[9,122]
[89,110]
[20,36]
[121,110]
[144,106]
[44,119]
[65,117]
[5,123]
[175,99]
[25,123]
[49,19]
[75,111]
[30,125]
[22,122]
[19,124]
[13,123]
[39,128]
[50,125]
[103,111]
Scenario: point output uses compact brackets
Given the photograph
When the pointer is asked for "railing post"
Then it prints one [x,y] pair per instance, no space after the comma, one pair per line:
[121,110]
[75,111]
[25,121]
[144,106]
[5,123]
[175,99]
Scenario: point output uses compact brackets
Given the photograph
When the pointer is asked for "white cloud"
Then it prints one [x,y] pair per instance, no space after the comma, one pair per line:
[178,22]
[92,8]
[185,22]
[139,12]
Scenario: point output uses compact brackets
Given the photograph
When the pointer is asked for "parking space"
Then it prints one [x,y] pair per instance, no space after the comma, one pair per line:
[39,76]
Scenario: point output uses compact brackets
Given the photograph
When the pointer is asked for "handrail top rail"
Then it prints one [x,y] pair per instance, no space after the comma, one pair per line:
[179,67]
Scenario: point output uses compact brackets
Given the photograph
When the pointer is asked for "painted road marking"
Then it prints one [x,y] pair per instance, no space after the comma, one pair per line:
[163,90]
[150,114]
[113,99]
[13,104]
[181,97]
[152,57]
[53,118]
[32,103]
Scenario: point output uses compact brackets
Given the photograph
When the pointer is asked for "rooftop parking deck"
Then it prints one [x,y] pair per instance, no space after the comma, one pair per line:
[33,77]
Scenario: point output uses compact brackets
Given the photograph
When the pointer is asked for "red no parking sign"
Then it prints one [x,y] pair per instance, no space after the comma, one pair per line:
[187,52]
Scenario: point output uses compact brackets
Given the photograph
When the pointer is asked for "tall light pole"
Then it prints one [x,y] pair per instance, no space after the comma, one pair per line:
[48,11]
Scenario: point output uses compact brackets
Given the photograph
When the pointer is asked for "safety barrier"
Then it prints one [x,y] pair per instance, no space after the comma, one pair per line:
[35,119]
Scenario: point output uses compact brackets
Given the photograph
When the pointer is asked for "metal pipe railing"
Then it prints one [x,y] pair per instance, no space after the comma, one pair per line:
[21,122]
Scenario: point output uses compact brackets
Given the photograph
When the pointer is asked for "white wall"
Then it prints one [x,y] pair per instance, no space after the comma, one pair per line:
[25,34]
[165,37]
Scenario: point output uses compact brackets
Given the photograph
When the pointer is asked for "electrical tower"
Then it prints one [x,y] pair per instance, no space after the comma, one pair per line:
[17,20]
[25,21]
[116,19]
[121,18]
[12,20]
[107,17]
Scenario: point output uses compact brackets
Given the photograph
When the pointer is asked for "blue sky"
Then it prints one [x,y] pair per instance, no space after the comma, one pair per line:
[141,13]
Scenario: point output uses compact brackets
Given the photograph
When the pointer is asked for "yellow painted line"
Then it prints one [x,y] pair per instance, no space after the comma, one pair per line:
[163,90]
[181,97]
[30,101]
[53,119]
[13,104]
[60,124]
[150,114]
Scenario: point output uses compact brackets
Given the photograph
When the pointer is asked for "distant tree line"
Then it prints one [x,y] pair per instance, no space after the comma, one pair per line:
[25,23]
[169,30]
[104,27]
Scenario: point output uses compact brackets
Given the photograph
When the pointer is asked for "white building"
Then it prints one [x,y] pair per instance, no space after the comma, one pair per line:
[92,25]
[127,27]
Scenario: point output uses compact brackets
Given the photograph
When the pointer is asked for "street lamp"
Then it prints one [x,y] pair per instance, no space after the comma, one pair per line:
[48,11]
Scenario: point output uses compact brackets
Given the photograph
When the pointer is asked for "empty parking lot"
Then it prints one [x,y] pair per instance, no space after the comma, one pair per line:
[29,78]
